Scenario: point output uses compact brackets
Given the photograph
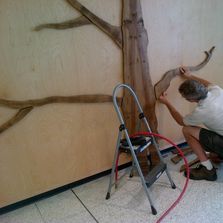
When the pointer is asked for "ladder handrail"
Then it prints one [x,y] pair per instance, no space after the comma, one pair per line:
[144,119]
[115,92]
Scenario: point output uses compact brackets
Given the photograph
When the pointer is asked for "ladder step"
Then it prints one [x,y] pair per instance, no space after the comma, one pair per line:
[138,148]
[155,173]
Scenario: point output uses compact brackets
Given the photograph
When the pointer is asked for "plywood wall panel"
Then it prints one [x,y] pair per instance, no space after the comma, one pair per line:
[55,144]
[58,144]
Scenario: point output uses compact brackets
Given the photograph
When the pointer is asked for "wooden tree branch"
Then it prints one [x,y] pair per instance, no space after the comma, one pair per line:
[16,118]
[113,31]
[80,21]
[204,62]
[164,83]
[26,106]
[57,99]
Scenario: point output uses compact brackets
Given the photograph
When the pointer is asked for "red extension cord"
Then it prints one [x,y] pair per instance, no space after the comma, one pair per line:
[186,165]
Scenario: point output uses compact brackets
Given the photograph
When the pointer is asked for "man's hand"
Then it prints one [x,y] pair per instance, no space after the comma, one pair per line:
[185,72]
[163,98]
[175,114]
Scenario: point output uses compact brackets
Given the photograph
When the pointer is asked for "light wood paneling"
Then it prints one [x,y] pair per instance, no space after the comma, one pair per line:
[58,144]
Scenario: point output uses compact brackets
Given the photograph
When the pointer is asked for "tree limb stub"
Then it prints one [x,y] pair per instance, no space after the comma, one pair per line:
[113,31]
[204,62]
[57,99]
[80,21]
[164,83]
[16,118]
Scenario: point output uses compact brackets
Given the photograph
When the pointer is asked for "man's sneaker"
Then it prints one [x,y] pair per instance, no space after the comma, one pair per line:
[202,173]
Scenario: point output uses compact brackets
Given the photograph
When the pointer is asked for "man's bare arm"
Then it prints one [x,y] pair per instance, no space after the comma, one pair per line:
[174,113]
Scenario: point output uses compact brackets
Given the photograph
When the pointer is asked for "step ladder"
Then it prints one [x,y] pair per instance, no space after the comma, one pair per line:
[128,144]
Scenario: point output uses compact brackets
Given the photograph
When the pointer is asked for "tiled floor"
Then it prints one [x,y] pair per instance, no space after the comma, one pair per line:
[202,202]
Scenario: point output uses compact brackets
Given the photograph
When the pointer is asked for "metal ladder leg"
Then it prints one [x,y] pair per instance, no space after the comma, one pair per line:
[166,170]
[170,179]
[136,164]
[159,154]
[132,169]
[113,166]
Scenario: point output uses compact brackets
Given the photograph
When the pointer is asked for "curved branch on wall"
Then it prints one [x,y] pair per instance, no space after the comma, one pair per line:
[16,118]
[87,18]
[26,106]
[164,83]
[113,31]
[80,21]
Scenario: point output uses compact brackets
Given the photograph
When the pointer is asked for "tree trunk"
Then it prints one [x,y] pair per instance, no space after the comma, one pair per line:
[136,70]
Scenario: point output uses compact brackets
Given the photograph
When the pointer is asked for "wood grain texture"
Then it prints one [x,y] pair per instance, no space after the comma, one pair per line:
[137,73]
[132,38]
[136,65]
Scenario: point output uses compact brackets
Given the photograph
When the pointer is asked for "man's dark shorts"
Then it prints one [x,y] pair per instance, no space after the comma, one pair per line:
[211,141]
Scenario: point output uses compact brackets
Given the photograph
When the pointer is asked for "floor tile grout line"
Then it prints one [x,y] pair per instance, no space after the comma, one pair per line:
[85,206]
[40,213]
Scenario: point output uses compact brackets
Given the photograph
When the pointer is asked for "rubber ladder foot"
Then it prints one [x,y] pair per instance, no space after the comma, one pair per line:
[107,196]
[154,212]
[173,186]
